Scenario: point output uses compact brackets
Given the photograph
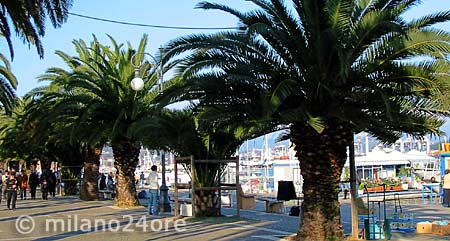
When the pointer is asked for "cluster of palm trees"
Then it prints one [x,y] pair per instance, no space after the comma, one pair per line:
[92,104]
[320,69]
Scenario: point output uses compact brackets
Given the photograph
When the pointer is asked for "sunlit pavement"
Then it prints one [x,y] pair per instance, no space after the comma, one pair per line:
[68,218]
[65,218]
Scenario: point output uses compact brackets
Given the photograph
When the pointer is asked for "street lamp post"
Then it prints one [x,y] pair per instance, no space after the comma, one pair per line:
[164,205]
[137,84]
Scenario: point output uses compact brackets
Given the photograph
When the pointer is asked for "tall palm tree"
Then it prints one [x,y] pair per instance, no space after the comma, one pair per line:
[56,121]
[28,19]
[97,90]
[326,69]
[8,84]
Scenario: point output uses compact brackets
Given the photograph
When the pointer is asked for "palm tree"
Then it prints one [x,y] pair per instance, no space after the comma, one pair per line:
[97,92]
[8,85]
[22,136]
[28,19]
[325,69]
[55,122]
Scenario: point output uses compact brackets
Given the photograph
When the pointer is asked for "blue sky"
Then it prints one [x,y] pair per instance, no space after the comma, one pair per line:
[27,65]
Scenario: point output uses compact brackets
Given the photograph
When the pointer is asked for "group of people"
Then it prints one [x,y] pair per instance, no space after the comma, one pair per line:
[13,184]
[107,182]
[48,182]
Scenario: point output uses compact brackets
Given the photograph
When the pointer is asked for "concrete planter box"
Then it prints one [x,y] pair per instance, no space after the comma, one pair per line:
[186,210]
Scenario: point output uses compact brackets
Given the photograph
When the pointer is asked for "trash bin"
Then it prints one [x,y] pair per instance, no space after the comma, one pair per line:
[373,229]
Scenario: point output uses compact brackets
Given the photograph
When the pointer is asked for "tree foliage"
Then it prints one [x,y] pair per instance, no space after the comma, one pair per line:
[8,85]
[27,19]
[325,69]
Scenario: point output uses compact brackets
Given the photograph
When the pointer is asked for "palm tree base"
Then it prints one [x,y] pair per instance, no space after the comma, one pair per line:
[89,186]
[207,204]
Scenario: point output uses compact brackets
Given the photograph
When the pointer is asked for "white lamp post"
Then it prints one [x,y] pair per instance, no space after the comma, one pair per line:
[137,84]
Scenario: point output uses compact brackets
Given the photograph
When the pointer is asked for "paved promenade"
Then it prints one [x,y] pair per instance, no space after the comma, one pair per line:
[68,218]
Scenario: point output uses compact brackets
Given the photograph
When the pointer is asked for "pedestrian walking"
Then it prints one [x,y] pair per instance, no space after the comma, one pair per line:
[33,182]
[446,187]
[152,181]
[11,189]
[142,179]
[23,184]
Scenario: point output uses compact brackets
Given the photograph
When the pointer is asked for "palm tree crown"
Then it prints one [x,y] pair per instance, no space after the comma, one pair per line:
[28,19]
[352,63]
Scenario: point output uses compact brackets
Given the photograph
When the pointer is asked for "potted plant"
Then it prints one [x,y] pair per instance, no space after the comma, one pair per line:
[397,185]
[393,184]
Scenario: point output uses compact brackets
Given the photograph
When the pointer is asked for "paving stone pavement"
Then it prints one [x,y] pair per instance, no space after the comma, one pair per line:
[68,218]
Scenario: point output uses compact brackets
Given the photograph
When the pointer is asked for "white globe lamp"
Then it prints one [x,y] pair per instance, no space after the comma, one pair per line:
[137,83]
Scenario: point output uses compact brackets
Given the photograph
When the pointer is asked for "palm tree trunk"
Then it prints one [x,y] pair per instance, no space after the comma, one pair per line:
[322,157]
[89,186]
[126,156]
[206,202]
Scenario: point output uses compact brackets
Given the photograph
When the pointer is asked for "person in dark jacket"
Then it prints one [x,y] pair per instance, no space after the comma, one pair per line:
[45,180]
[33,182]
[12,185]
[52,184]
[102,182]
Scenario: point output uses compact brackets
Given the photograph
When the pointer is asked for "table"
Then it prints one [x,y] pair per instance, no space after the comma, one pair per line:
[429,187]
[273,205]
